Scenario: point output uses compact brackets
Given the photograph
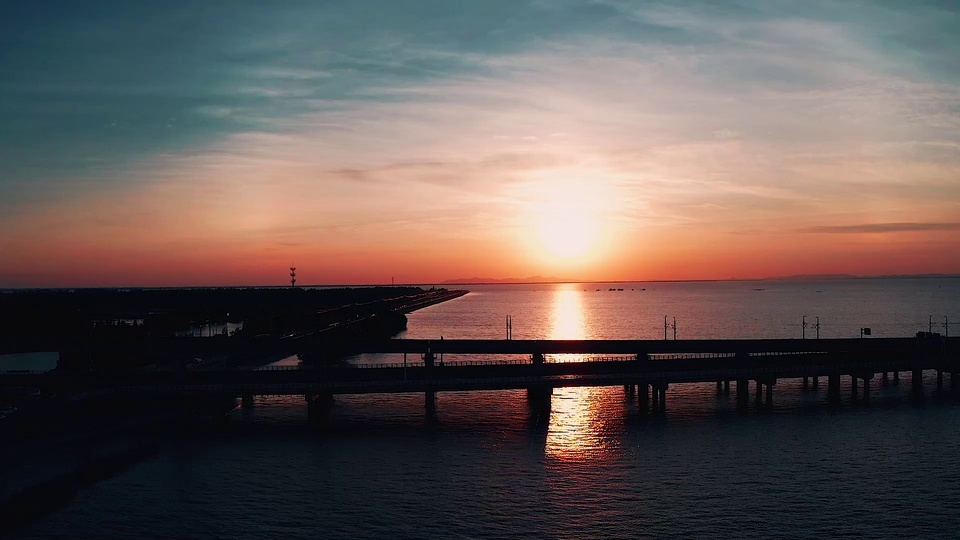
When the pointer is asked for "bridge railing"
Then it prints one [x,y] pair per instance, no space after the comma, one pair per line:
[700,375]
[550,359]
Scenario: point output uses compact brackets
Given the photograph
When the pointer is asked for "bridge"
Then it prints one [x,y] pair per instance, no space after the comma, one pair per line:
[641,366]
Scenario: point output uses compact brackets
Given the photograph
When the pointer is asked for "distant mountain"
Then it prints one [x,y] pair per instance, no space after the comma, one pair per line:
[812,277]
[809,277]
[480,280]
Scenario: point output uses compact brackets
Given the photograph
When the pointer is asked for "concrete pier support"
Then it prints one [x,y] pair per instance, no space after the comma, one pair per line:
[953,380]
[660,397]
[770,393]
[866,388]
[853,387]
[539,400]
[719,386]
[743,393]
[896,377]
[318,407]
[246,401]
[644,390]
[833,387]
[939,380]
[917,383]
[816,381]
[806,382]
[430,402]
[726,386]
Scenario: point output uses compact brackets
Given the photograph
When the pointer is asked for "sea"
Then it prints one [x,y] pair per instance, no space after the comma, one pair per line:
[484,465]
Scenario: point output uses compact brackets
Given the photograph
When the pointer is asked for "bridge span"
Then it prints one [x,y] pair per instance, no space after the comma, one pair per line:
[644,367]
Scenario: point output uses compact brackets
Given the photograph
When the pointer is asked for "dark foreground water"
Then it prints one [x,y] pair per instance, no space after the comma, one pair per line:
[486,466]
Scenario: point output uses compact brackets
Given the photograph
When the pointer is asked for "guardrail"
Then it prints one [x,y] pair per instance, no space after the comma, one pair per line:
[549,359]
[677,377]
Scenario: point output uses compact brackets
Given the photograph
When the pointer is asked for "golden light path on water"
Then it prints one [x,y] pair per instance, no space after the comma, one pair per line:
[575,429]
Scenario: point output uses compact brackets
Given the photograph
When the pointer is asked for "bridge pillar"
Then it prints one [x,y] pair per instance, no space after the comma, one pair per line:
[759,392]
[726,386]
[939,380]
[896,377]
[428,359]
[660,397]
[816,381]
[866,387]
[318,407]
[743,393]
[430,401]
[246,401]
[719,386]
[853,386]
[644,390]
[806,382]
[770,392]
[537,358]
[917,383]
[833,387]
[539,404]
[953,380]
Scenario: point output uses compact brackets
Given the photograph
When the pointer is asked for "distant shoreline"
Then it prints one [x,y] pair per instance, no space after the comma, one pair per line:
[824,277]
[799,278]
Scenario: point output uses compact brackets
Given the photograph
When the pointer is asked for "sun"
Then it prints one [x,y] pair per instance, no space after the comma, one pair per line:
[566,232]
[566,221]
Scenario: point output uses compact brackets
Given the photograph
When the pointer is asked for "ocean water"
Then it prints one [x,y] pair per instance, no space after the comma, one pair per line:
[487,466]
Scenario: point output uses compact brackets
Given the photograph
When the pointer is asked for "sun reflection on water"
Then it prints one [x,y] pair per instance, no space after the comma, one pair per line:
[574,432]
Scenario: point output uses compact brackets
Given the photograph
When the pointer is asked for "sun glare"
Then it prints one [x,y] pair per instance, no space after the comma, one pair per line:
[565,233]
[566,224]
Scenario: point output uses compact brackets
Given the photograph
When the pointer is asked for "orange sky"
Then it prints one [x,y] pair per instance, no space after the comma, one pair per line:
[685,145]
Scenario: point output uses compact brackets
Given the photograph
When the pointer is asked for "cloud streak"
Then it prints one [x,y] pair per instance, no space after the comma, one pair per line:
[443,126]
[882,228]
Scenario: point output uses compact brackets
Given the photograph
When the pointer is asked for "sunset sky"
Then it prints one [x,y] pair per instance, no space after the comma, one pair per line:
[208,143]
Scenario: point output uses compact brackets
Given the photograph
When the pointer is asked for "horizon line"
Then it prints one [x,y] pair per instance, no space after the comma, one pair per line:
[802,277]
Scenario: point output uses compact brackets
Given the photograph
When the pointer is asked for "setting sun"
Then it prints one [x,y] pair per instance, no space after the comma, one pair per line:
[566,232]
[565,221]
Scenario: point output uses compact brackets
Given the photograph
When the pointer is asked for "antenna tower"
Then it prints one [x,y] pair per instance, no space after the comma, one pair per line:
[293,276]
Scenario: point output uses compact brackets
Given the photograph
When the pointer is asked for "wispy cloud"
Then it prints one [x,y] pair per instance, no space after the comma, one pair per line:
[436,121]
[882,228]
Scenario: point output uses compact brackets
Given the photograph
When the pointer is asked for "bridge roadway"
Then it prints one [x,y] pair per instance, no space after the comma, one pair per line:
[656,365]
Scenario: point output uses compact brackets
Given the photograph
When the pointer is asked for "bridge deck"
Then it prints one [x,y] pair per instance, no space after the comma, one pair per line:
[660,361]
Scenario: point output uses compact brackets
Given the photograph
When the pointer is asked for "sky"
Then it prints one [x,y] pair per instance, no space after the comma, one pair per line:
[217,143]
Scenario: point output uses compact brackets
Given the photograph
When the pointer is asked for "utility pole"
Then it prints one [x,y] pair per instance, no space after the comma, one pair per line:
[946,329]
[664,327]
[674,328]
[803,328]
[818,327]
